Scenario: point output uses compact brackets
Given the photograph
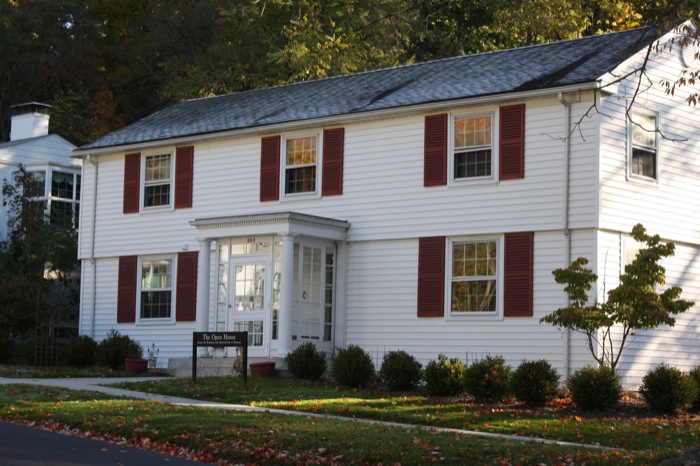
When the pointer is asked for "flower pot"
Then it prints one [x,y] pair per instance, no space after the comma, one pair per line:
[135,366]
[263,369]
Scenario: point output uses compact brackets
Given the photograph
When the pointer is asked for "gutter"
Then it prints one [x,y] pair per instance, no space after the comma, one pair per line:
[332,120]
[565,221]
[93,227]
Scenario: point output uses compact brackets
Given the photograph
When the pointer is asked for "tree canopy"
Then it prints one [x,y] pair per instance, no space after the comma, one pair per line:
[103,64]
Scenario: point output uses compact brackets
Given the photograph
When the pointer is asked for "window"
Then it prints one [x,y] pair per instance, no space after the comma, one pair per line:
[472,147]
[37,184]
[644,150]
[473,280]
[157,180]
[64,201]
[298,161]
[156,288]
[471,269]
[300,165]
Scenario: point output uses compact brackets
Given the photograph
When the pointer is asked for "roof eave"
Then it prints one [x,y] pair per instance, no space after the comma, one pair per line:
[339,119]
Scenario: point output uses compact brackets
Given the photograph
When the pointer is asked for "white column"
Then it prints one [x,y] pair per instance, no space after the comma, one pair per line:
[203,291]
[284,320]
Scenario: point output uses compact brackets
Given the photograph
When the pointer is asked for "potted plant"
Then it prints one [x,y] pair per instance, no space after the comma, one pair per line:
[134,361]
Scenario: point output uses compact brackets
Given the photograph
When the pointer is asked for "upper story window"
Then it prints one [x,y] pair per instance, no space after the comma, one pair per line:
[156,288]
[300,165]
[60,193]
[644,149]
[64,200]
[157,180]
[472,147]
[474,276]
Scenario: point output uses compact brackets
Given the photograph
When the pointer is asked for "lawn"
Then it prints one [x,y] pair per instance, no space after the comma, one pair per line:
[216,435]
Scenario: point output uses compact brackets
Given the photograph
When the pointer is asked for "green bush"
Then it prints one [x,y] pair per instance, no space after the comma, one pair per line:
[352,367]
[592,388]
[6,347]
[400,371]
[80,352]
[668,389]
[115,348]
[445,377]
[695,375]
[306,362]
[535,382]
[488,379]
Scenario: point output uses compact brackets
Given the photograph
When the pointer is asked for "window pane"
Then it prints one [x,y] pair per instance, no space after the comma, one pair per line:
[77,187]
[37,185]
[474,270]
[157,195]
[644,163]
[62,185]
[301,180]
[155,304]
[472,132]
[472,164]
[643,130]
[61,212]
[158,167]
[156,274]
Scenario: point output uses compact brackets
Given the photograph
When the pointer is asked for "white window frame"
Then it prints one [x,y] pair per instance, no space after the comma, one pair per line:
[173,289]
[493,177]
[488,315]
[75,201]
[170,183]
[283,165]
[632,124]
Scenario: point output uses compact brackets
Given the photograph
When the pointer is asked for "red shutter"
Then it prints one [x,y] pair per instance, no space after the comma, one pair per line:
[517,300]
[132,182]
[333,140]
[435,151]
[431,277]
[186,297]
[126,289]
[512,142]
[184,165]
[270,169]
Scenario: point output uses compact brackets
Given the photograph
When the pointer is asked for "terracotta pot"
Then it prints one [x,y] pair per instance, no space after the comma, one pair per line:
[263,369]
[135,366]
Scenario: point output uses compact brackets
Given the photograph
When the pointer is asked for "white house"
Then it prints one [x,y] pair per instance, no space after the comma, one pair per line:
[46,156]
[421,207]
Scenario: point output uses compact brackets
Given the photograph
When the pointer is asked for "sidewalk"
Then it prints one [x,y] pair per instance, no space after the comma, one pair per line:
[98,385]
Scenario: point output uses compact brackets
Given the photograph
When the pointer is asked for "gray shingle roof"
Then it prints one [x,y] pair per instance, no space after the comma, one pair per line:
[531,68]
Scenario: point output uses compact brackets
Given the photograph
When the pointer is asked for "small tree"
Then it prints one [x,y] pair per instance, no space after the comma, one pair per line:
[633,305]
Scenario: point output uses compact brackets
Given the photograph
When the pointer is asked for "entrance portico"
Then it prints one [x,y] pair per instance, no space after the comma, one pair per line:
[277,276]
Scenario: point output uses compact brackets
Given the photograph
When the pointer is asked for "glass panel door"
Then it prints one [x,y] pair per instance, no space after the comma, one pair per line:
[249,302]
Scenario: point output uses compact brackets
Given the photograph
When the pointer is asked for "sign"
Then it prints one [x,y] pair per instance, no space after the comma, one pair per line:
[238,339]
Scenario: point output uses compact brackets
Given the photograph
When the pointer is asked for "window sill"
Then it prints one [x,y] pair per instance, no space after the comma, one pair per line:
[146,322]
[475,316]
[480,181]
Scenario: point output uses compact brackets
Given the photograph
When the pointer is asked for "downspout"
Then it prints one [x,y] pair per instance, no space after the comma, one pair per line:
[565,221]
[92,247]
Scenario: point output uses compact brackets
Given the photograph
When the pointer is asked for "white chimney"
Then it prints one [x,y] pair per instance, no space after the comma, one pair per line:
[29,120]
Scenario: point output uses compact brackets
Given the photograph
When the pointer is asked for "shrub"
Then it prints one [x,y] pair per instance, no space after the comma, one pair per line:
[352,367]
[6,347]
[400,371]
[592,388]
[80,352]
[306,362]
[115,348]
[487,379]
[668,390]
[695,375]
[535,382]
[445,377]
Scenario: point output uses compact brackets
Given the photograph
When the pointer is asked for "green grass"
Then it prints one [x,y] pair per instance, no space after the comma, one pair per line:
[277,439]
[641,436]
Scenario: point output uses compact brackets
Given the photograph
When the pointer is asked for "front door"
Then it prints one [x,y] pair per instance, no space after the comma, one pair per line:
[250,301]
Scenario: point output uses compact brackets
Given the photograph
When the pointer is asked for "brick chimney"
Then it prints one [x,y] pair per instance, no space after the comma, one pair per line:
[29,120]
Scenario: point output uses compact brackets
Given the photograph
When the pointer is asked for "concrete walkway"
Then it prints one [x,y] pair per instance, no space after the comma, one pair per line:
[99,385]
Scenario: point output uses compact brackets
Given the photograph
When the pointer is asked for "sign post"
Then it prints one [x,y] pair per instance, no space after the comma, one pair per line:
[238,339]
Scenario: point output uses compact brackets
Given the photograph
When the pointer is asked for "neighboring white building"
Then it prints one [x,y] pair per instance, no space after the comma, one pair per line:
[46,156]
[420,208]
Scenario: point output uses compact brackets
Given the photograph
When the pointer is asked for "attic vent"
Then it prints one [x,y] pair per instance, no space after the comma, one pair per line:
[689,55]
